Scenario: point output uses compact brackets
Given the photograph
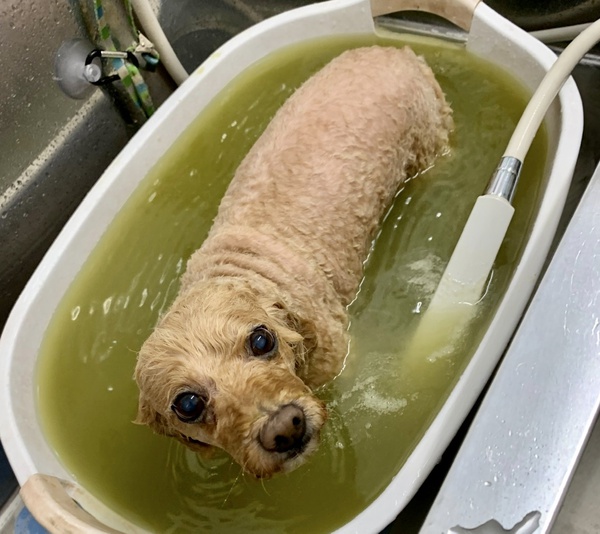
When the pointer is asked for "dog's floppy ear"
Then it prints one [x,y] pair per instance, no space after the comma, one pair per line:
[306,328]
[147,415]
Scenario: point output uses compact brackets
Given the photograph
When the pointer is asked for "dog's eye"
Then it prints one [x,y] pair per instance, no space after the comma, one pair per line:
[262,342]
[188,406]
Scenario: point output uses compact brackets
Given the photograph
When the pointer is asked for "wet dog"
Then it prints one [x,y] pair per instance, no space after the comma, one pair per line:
[260,320]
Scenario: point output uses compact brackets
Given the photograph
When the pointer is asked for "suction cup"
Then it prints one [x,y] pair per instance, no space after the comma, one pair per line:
[71,73]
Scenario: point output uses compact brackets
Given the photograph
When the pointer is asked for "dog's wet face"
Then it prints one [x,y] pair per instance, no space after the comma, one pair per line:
[220,370]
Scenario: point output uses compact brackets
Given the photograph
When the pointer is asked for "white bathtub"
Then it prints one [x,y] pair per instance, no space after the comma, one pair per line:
[490,36]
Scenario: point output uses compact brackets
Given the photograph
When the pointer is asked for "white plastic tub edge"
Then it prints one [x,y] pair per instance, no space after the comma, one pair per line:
[491,37]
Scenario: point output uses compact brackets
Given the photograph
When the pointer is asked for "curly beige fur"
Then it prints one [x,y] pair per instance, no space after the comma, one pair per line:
[286,252]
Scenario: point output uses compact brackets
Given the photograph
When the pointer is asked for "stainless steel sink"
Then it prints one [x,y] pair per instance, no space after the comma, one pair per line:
[54,147]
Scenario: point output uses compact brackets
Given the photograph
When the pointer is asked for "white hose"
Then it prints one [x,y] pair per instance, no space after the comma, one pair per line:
[556,35]
[534,113]
[155,33]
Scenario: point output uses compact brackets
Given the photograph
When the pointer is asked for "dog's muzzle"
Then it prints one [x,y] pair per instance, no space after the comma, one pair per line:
[285,431]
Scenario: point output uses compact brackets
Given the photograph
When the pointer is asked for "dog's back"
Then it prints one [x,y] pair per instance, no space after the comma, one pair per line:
[328,165]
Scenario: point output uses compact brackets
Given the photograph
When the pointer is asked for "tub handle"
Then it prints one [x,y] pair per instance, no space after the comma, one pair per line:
[58,506]
[459,12]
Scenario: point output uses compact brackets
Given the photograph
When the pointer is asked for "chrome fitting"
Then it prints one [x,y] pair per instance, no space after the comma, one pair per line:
[504,179]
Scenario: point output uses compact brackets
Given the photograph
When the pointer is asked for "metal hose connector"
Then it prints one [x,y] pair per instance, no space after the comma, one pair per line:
[504,179]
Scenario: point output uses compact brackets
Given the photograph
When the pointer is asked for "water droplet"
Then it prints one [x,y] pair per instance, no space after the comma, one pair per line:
[144,297]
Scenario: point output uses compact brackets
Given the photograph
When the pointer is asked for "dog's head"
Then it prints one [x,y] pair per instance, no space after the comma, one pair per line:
[220,369]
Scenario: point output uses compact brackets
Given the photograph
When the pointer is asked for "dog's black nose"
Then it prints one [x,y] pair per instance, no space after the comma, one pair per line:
[284,431]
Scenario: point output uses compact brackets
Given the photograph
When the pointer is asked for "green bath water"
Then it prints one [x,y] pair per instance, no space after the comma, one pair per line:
[379,408]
